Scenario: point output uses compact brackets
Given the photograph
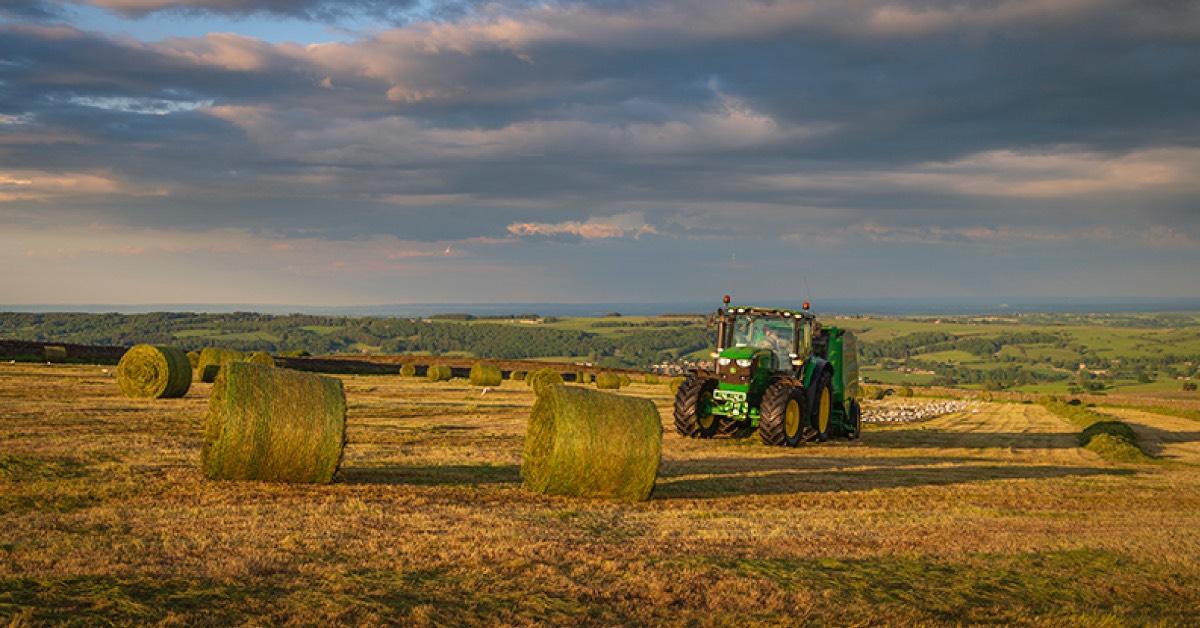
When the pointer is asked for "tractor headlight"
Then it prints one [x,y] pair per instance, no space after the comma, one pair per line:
[745,363]
[724,361]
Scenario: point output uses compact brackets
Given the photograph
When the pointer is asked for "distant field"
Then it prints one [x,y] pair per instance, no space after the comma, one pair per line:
[1042,353]
[993,517]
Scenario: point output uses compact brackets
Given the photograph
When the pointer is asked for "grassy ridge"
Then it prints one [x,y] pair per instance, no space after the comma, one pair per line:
[1113,440]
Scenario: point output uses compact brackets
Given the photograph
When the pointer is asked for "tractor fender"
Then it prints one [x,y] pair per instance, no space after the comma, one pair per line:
[813,367]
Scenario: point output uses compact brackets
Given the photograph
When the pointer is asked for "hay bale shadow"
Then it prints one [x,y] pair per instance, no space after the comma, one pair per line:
[939,439]
[718,466]
[751,481]
[433,475]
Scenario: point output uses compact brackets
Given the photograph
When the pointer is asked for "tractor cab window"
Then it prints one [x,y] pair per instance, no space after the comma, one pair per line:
[806,340]
[775,334]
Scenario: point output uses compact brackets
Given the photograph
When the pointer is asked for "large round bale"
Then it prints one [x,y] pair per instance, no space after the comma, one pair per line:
[608,381]
[584,377]
[625,380]
[586,443]
[540,379]
[517,376]
[212,359]
[193,358]
[485,375]
[439,373]
[261,358]
[408,370]
[274,425]
[153,372]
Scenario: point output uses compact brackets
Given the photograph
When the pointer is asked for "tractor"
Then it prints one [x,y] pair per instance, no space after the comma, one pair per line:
[777,370]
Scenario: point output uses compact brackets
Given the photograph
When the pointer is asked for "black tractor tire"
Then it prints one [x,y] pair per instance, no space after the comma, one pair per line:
[855,420]
[823,384]
[733,428]
[773,424]
[688,400]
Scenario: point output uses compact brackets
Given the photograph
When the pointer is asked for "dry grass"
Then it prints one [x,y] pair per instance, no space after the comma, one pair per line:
[992,517]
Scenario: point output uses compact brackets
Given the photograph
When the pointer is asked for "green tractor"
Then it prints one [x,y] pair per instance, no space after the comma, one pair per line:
[776,370]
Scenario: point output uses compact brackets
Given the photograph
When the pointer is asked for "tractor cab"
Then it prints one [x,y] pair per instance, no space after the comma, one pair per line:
[776,339]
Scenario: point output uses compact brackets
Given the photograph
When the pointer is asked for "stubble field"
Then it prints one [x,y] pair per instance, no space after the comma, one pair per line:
[992,516]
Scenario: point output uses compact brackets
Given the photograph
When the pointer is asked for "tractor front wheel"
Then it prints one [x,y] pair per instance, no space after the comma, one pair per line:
[781,415]
[820,408]
[855,420]
[693,408]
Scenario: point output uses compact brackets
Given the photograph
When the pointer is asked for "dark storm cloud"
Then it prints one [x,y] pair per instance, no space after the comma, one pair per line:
[304,9]
[28,10]
[899,113]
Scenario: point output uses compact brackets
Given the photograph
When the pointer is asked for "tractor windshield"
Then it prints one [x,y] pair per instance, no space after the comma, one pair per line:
[775,334]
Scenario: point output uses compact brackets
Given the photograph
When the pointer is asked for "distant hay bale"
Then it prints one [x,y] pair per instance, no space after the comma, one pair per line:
[585,443]
[193,358]
[608,381]
[212,359]
[408,370]
[517,376]
[274,425]
[624,379]
[540,379]
[485,375]
[261,358]
[154,372]
[439,373]
[651,378]
[584,377]
[55,353]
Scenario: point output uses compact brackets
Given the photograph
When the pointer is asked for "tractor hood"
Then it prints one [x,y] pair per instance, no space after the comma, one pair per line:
[742,353]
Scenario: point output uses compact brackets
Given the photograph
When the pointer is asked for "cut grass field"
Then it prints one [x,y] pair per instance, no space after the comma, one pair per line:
[990,517]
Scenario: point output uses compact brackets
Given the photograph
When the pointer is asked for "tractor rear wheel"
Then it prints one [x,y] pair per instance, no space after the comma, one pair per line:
[855,420]
[693,404]
[820,408]
[781,415]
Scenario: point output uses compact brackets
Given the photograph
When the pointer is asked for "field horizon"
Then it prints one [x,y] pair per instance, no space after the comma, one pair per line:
[897,306]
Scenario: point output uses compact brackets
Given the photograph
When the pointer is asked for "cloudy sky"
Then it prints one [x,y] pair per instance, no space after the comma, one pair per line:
[364,151]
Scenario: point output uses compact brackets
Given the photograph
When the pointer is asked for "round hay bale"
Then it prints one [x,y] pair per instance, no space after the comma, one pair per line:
[651,378]
[261,358]
[608,381]
[542,378]
[274,425]
[193,358]
[674,383]
[212,359]
[151,372]
[485,375]
[439,373]
[408,370]
[625,380]
[517,376]
[592,444]
[585,378]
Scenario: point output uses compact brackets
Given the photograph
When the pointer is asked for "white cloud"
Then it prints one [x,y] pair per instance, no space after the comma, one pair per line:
[628,225]
[1019,174]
